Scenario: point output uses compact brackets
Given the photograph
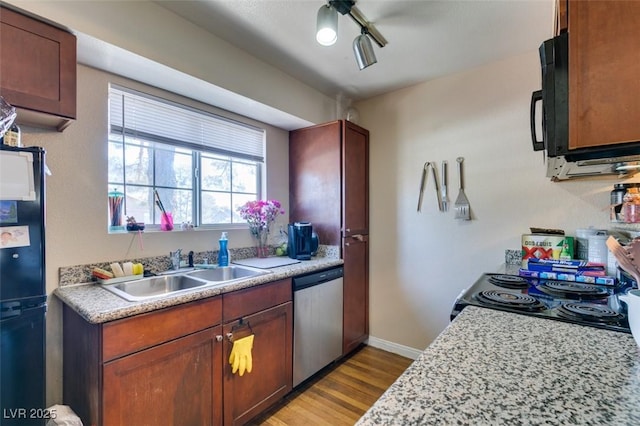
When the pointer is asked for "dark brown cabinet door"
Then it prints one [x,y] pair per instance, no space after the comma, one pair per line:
[604,67]
[151,368]
[271,377]
[329,179]
[561,19]
[173,383]
[37,65]
[315,183]
[355,252]
[355,185]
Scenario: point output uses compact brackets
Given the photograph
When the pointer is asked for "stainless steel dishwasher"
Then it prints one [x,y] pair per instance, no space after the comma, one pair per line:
[317,322]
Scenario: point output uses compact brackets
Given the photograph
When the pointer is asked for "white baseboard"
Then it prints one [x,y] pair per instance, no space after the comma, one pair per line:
[395,348]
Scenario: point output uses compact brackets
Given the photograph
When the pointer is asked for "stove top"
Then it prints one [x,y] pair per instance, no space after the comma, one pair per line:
[585,304]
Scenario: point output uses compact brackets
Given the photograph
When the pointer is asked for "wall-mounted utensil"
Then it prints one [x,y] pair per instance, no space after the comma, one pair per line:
[423,184]
[423,181]
[443,190]
[461,205]
[435,179]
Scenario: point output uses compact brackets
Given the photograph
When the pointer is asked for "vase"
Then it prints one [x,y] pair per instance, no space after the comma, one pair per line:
[260,236]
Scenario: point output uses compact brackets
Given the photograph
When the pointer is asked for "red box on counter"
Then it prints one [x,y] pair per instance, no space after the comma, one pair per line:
[546,246]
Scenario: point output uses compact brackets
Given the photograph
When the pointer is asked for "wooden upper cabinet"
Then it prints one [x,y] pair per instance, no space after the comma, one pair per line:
[561,22]
[329,179]
[37,70]
[315,188]
[604,70]
[355,185]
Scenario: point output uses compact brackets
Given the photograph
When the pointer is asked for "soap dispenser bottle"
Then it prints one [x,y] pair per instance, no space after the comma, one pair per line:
[223,252]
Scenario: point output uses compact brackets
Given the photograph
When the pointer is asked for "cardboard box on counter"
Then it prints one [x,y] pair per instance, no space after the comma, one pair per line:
[567,276]
[546,246]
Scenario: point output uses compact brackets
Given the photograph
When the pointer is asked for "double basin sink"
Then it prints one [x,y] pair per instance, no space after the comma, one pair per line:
[181,282]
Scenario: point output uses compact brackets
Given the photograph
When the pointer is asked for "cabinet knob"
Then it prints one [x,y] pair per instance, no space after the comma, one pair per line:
[229,336]
[219,338]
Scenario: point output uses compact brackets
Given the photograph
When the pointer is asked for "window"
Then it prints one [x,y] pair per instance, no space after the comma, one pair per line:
[203,166]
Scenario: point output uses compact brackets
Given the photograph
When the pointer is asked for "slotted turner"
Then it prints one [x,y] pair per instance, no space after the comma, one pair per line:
[461,205]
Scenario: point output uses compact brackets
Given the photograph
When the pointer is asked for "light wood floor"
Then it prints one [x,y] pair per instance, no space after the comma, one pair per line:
[341,393]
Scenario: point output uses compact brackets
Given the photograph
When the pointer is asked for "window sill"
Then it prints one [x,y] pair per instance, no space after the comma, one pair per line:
[114,230]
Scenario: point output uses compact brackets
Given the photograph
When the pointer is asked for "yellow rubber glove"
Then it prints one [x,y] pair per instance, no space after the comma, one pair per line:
[240,357]
[233,357]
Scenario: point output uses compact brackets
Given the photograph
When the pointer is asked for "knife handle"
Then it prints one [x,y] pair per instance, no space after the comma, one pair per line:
[444,173]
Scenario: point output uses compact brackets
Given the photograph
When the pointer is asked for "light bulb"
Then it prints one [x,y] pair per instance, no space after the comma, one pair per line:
[327,26]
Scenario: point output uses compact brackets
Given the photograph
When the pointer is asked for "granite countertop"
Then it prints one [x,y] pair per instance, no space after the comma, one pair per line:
[97,305]
[497,368]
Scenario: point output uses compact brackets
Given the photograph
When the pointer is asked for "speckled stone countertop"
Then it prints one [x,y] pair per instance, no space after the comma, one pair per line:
[498,368]
[98,305]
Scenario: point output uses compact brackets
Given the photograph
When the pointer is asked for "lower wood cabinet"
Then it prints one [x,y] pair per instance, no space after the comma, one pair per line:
[171,366]
[355,328]
[271,377]
[175,383]
[267,313]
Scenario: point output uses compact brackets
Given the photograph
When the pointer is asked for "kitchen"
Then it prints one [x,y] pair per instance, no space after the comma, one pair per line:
[481,114]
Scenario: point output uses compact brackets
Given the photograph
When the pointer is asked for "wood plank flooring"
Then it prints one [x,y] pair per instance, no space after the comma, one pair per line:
[341,393]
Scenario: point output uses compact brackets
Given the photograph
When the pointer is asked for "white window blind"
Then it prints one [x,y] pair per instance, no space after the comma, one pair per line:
[141,115]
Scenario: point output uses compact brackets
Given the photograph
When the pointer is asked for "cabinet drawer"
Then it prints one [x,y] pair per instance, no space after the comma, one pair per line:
[251,300]
[129,335]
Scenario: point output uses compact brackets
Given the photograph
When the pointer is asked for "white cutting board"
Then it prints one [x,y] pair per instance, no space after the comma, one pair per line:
[266,262]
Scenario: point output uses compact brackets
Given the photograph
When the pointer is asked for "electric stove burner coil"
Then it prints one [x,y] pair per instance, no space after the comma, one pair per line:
[507,299]
[509,281]
[589,312]
[568,289]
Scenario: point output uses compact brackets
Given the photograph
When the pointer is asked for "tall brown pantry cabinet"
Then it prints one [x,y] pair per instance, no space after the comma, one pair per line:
[329,187]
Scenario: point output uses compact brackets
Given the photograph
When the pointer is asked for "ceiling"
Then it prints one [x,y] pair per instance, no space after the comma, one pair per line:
[426,38]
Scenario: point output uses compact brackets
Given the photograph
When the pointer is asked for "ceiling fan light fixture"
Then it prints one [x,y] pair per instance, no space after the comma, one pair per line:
[327,26]
[363,50]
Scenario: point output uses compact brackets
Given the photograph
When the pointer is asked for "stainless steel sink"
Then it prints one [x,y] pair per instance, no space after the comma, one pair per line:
[148,288]
[225,274]
[164,285]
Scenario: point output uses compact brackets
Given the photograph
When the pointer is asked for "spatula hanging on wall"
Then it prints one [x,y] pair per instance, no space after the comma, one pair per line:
[462,207]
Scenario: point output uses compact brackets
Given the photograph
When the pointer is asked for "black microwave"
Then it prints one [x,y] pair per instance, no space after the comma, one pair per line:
[554,58]
[563,163]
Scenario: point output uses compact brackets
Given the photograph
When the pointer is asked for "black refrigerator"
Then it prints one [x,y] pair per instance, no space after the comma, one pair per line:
[22,286]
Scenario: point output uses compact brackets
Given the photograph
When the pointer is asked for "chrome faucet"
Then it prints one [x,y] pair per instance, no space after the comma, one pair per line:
[175,257]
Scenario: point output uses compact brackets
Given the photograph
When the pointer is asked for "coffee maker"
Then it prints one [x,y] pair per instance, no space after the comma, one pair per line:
[303,242]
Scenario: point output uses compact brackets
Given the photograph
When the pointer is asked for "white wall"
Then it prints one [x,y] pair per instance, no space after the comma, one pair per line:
[419,262]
